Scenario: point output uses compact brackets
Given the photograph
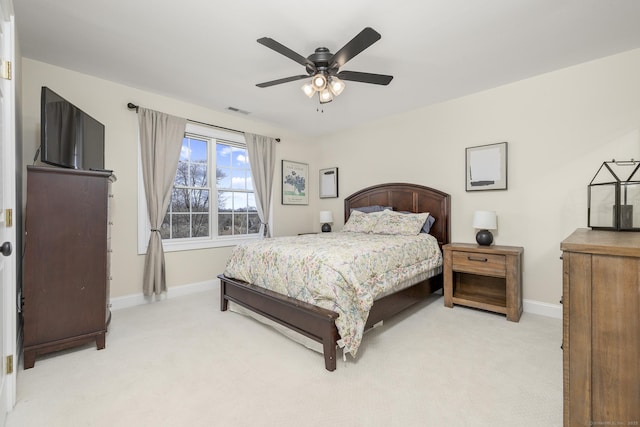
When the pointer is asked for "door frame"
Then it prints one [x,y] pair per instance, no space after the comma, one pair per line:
[8,169]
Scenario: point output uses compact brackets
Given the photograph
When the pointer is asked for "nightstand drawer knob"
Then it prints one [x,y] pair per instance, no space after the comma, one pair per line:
[470,258]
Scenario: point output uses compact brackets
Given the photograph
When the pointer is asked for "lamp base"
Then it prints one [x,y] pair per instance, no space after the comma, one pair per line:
[484,238]
[326,228]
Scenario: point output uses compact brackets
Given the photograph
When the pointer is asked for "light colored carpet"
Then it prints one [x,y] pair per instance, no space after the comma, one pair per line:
[182,362]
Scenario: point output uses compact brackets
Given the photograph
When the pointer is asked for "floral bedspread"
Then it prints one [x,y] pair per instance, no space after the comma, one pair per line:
[339,271]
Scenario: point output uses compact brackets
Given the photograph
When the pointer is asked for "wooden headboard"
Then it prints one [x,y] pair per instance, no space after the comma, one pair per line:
[407,197]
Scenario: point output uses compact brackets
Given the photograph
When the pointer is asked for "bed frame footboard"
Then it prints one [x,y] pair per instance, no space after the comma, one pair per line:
[313,322]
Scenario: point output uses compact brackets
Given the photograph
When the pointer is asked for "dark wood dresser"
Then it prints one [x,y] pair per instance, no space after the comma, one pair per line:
[601,328]
[66,260]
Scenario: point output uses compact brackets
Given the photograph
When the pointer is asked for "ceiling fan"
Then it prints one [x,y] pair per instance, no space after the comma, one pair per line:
[324,67]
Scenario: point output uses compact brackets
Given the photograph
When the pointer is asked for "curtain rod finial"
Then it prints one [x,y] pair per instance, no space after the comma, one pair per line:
[132,106]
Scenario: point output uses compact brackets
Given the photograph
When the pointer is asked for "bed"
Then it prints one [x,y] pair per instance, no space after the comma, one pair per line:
[318,323]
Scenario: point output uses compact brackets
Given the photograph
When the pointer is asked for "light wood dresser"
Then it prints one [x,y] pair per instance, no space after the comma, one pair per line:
[601,328]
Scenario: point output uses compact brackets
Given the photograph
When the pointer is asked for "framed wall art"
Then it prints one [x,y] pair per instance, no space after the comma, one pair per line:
[295,183]
[328,183]
[486,167]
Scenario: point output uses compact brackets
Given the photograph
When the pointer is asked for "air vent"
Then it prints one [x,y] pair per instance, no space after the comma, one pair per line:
[237,110]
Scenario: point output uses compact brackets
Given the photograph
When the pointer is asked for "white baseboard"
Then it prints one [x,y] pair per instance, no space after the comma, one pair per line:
[529,306]
[139,299]
[542,308]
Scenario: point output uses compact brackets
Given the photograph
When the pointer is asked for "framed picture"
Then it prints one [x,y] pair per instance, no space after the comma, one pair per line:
[328,183]
[486,167]
[295,183]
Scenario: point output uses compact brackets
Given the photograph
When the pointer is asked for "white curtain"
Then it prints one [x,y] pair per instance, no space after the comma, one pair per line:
[160,144]
[262,158]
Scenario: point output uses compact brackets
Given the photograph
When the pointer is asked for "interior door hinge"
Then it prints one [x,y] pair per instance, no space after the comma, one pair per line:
[5,69]
[9,364]
[8,217]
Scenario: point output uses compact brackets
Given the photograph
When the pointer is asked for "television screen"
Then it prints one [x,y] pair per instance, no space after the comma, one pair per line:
[70,137]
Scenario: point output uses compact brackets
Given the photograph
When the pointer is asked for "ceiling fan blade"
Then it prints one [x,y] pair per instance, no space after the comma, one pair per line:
[283,50]
[356,76]
[363,40]
[284,80]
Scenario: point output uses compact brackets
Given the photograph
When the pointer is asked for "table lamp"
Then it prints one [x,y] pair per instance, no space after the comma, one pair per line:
[326,217]
[485,221]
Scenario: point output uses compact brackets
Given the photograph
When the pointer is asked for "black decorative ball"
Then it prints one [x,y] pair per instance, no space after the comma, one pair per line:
[484,238]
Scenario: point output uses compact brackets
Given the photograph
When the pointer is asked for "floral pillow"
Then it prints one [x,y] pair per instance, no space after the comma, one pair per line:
[400,223]
[360,222]
[426,227]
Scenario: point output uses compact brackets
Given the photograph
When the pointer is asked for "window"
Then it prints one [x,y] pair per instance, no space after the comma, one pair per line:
[206,210]
[188,213]
[237,212]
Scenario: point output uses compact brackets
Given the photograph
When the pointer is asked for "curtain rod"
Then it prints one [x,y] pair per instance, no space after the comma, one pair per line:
[132,106]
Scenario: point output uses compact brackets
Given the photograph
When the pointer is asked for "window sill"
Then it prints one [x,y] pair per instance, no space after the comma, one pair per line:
[190,245]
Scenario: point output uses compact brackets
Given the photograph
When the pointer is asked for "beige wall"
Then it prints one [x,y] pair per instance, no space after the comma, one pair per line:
[106,101]
[560,127]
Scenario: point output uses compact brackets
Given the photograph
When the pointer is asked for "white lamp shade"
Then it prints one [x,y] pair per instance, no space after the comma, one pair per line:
[485,220]
[319,82]
[325,96]
[308,89]
[336,85]
[326,217]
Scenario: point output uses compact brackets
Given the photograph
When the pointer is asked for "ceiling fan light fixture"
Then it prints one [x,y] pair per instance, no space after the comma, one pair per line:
[308,89]
[322,66]
[336,85]
[325,96]
[319,82]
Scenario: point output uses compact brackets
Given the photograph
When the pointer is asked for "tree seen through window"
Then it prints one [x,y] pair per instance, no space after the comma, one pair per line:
[190,213]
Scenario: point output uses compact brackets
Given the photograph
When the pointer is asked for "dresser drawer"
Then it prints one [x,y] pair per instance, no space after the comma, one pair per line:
[479,263]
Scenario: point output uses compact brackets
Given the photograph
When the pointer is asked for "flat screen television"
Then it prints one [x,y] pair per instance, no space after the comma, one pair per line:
[70,137]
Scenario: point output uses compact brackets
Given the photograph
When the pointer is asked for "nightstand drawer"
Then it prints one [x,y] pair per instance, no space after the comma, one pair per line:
[479,263]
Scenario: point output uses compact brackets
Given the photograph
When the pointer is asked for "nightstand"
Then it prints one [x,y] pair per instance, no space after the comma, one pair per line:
[484,277]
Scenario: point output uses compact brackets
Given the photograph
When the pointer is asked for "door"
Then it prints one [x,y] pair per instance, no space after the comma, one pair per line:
[7,211]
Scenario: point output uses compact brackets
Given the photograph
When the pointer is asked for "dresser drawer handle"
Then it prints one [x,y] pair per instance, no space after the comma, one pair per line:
[470,258]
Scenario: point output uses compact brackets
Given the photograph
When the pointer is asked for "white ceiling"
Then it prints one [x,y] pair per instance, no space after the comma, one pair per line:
[205,51]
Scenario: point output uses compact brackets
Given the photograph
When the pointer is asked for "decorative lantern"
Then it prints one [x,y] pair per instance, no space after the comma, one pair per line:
[614,203]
